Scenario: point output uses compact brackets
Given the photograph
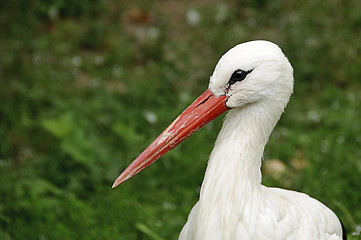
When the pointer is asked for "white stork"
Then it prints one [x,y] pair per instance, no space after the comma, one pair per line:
[254,81]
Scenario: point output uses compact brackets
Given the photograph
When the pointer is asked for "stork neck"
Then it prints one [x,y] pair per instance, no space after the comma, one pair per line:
[235,162]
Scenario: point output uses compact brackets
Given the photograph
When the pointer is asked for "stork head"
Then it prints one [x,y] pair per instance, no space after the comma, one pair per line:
[255,71]
[252,72]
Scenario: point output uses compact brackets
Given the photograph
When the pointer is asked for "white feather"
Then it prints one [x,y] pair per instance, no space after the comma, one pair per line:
[233,204]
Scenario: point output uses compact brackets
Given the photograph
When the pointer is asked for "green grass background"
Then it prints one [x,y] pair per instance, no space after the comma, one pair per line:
[86,85]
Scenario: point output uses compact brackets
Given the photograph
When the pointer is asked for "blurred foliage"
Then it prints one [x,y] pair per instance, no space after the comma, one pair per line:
[86,85]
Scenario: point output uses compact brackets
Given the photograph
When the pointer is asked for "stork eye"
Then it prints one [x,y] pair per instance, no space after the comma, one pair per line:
[238,76]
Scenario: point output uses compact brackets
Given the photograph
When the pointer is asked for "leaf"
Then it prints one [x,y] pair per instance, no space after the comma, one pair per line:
[127,133]
[59,127]
[79,147]
[147,231]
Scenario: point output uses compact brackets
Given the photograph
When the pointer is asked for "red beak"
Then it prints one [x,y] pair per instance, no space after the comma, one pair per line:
[202,111]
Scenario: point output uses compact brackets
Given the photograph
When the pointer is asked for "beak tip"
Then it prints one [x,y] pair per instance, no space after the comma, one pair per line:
[117,182]
[120,180]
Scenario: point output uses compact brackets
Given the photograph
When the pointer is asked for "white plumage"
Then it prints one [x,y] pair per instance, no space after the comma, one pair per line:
[233,204]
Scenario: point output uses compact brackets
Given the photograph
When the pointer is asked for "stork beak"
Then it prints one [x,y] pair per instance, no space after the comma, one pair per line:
[202,111]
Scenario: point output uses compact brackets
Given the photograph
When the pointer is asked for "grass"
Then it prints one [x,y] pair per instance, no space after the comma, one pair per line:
[86,86]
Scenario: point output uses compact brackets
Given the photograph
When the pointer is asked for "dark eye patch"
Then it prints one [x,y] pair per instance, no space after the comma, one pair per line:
[238,76]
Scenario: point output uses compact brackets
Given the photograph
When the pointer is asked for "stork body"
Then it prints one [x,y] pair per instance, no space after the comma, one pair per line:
[253,81]
[234,205]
